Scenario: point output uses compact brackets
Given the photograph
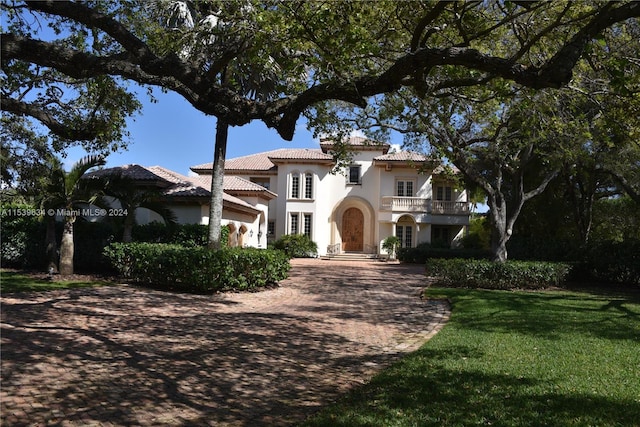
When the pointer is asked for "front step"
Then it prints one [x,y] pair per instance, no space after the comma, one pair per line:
[351,257]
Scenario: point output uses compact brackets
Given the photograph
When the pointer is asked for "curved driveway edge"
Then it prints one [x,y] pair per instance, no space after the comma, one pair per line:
[123,355]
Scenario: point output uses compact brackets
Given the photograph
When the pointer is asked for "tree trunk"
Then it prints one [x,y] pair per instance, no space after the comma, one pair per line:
[127,234]
[217,184]
[66,247]
[500,235]
[51,245]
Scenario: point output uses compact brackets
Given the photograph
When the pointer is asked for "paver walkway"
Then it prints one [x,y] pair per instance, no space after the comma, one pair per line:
[123,355]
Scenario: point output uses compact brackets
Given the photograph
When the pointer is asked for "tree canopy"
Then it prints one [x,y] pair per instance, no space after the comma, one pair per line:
[472,68]
[349,50]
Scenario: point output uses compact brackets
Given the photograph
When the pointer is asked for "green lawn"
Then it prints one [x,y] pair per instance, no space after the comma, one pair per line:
[512,359]
[11,281]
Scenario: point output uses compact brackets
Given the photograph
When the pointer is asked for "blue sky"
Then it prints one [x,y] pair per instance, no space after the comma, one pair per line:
[173,134]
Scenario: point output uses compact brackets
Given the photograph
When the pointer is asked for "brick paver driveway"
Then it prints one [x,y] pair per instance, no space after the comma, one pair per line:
[130,356]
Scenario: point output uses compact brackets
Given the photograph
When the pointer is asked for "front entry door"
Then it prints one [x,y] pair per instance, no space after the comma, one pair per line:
[352,230]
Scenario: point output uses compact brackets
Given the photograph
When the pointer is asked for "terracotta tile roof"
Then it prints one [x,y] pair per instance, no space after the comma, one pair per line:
[441,169]
[357,141]
[264,162]
[403,156]
[178,185]
[235,184]
[299,154]
[257,162]
[133,171]
[183,186]
[239,202]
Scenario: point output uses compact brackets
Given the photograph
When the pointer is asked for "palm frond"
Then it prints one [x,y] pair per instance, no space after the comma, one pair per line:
[158,207]
[72,178]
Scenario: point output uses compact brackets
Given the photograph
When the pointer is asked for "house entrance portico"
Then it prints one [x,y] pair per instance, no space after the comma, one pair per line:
[353,227]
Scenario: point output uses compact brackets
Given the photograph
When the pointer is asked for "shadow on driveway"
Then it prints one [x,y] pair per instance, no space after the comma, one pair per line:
[128,356]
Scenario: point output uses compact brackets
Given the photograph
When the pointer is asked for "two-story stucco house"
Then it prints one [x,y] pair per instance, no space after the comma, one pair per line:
[353,210]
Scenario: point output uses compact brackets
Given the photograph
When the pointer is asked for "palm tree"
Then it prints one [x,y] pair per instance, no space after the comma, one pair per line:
[67,191]
[208,26]
[132,197]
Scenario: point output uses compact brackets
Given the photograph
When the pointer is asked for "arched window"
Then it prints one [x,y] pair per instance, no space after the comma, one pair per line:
[294,185]
[301,185]
[405,228]
[308,185]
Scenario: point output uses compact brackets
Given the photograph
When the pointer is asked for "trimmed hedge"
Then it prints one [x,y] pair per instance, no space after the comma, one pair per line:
[616,262]
[493,275]
[195,269]
[424,251]
[180,234]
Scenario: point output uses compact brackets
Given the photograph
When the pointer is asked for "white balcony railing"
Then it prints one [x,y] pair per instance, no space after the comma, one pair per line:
[419,204]
[439,207]
[406,204]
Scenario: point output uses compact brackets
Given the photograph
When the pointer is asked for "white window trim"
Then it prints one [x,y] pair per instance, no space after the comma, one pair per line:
[301,217]
[302,186]
[349,182]
[414,181]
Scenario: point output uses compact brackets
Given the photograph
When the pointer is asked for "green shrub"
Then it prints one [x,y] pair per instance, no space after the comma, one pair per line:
[616,262]
[181,234]
[424,251]
[297,246]
[469,273]
[197,269]
[23,237]
[391,245]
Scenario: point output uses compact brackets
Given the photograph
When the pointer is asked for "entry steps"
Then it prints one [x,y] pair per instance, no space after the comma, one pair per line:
[354,256]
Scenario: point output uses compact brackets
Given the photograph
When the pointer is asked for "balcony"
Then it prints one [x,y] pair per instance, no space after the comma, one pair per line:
[419,204]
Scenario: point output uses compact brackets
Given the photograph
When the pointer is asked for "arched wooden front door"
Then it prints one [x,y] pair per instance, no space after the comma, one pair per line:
[352,230]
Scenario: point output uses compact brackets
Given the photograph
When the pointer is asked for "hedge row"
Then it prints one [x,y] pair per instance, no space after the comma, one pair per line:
[196,269]
[179,234]
[22,242]
[424,251]
[468,273]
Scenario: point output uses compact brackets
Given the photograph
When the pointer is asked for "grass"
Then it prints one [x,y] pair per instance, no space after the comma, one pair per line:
[11,281]
[511,359]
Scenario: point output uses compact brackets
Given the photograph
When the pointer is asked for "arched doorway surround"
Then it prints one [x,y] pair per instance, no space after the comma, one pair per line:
[353,226]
